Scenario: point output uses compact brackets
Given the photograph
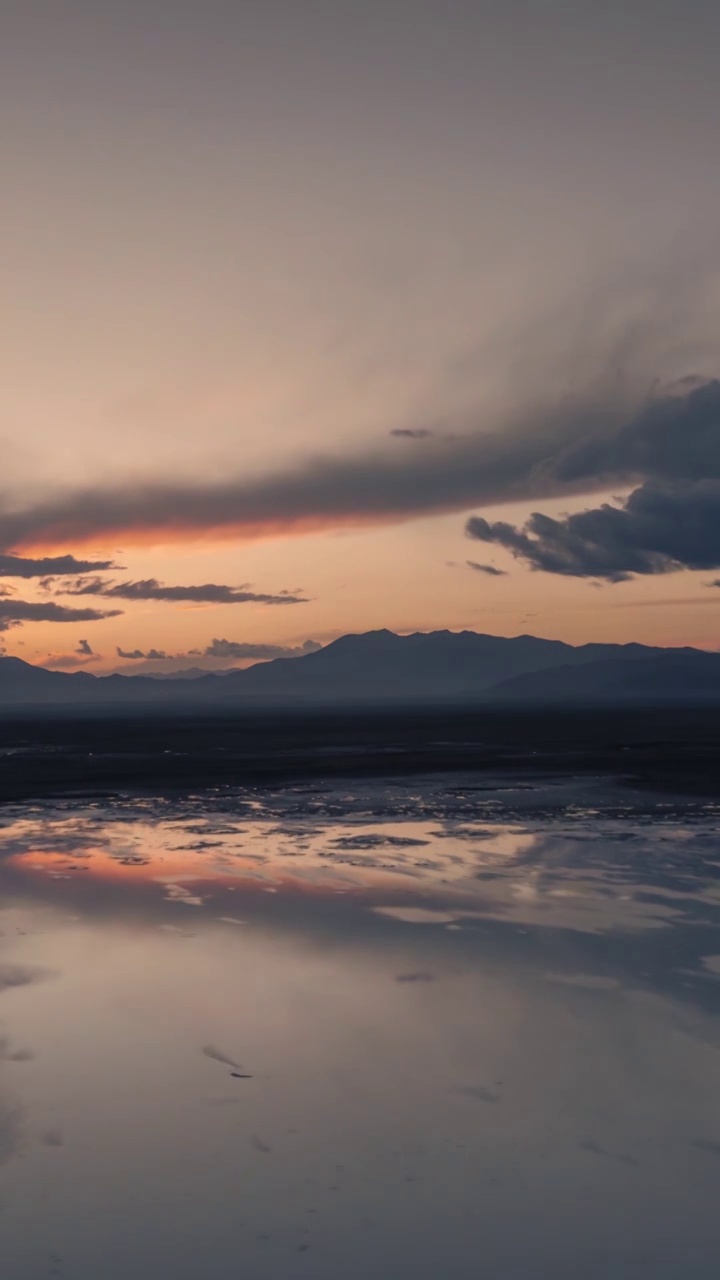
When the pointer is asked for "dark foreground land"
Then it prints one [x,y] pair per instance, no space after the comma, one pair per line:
[42,755]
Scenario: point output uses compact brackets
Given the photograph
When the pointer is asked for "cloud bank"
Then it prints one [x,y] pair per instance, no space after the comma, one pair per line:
[239,650]
[578,444]
[151,655]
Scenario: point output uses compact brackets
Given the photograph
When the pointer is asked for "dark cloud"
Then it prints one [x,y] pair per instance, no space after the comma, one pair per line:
[659,528]
[151,589]
[238,650]
[20,567]
[85,649]
[587,441]
[489,569]
[674,437]
[14,612]
[135,654]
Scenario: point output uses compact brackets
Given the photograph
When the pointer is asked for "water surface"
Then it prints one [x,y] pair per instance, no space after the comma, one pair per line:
[416,1029]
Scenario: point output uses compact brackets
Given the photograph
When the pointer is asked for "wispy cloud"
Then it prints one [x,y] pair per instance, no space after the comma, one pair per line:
[151,589]
[489,569]
[22,567]
[14,612]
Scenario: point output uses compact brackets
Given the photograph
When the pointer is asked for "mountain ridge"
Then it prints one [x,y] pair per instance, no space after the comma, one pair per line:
[379,667]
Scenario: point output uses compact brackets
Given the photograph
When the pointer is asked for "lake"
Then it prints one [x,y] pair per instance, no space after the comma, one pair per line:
[430,1027]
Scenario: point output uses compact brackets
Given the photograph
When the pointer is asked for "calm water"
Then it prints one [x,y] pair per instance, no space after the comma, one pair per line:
[422,1030]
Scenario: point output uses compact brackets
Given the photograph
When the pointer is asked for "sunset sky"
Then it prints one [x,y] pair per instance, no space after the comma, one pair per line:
[309,305]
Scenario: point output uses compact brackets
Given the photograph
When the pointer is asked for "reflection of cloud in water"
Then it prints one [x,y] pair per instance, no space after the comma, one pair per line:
[587,981]
[478,1092]
[178,893]
[563,1027]
[576,877]
[22,975]
[377,840]
[260,1144]
[450,856]
[9,1054]
[52,1138]
[704,1144]
[212,1051]
[416,915]
[11,1129]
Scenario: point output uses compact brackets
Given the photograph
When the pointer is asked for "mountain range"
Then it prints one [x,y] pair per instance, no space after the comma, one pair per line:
[379,668]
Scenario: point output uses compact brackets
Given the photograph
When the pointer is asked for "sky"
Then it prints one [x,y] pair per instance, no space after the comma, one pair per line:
[321,316]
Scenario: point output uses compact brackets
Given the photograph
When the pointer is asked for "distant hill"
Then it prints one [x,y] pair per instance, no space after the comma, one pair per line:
[676,676]
[379,668]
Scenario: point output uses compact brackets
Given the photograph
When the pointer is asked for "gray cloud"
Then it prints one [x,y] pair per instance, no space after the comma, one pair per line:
[576,403]
[151,589]
[14,612]
[583,444]
[85,649]
[21,567]
[136,654]
[237,650]
[489,569]
[659,528]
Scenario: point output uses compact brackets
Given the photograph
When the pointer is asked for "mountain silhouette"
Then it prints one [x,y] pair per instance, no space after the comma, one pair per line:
[380,667]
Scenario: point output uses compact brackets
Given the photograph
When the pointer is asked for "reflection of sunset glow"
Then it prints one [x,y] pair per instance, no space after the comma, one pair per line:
[417,873]
[164,872]
[215,865]
[212,867]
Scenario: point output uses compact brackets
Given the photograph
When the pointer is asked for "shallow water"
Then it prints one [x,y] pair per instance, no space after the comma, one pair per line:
[419,1030]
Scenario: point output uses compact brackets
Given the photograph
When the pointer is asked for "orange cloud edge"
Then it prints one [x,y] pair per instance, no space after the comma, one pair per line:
[65,538]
